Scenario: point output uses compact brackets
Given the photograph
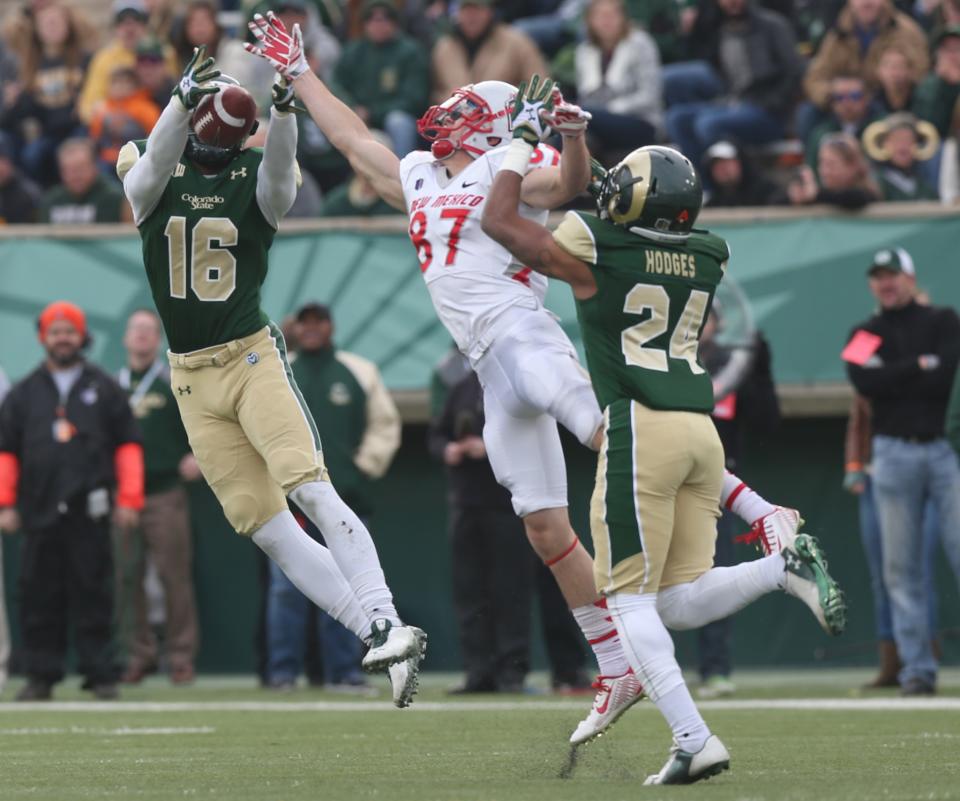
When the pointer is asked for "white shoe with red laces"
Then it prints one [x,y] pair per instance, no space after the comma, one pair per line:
[615,695]
[774,532]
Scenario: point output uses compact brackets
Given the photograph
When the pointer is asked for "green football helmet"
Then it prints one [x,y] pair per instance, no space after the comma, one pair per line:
[655,192]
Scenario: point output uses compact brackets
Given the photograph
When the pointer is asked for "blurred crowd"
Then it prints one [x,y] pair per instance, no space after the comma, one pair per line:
[786,102]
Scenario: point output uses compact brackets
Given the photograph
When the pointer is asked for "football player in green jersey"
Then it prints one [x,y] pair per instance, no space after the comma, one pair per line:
[207,216]
[644,280]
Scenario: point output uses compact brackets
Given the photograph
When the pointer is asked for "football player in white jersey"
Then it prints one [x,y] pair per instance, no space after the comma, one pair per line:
[493,308]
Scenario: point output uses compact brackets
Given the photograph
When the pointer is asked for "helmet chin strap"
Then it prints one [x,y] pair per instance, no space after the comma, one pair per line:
[442,149]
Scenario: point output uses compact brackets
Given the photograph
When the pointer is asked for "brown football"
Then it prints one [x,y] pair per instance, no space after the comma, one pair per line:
[224,119]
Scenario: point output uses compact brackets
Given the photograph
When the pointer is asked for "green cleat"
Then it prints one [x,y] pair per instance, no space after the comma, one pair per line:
[806,578]
[685,768]
[391,644]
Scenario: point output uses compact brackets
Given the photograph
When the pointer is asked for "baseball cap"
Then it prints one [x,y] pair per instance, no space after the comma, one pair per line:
[129,8]
[372,5]
[62,310]
[149,48]
[894,260]
[313,309]
[720,150]
[946,33]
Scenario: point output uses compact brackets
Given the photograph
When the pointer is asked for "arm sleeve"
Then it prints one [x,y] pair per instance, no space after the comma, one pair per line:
[895,380]
[856,450]
[9,478]
[128,464]
[648,90]
[381,437]
[94,87]
[145,177]
[816,83]
[277,177]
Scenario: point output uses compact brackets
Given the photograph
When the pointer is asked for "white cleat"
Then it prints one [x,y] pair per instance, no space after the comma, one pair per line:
[390,644]
[685,768]
[405,675]
[777,530]
[615,695]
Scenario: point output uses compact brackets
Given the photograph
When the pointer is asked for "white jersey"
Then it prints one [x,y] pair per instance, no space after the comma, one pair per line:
[472,279]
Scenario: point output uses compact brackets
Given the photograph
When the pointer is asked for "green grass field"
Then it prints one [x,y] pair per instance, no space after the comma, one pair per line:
[224,739]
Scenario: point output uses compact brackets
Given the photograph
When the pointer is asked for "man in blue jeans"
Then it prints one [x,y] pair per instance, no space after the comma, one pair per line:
[742,85]
[903,360]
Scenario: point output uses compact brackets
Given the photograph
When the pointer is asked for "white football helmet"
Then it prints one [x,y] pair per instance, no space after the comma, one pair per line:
[475,119]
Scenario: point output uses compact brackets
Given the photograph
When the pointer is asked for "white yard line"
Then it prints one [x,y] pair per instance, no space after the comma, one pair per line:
[809,704]
[118,732]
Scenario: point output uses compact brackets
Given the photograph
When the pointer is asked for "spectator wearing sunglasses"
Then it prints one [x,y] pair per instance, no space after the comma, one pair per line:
[850,111]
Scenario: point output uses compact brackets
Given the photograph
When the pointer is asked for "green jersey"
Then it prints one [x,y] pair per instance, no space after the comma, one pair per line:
[205,250]
[642,328]
[164,438]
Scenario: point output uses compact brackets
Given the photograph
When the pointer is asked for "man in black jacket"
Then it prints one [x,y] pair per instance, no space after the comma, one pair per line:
[903,361]
[743,88]
[67,439]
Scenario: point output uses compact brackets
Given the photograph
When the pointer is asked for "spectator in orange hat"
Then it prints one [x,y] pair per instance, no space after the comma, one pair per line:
[70,459]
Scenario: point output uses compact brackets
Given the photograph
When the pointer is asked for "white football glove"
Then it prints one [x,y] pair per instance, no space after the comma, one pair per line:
[282,48]
[567,119]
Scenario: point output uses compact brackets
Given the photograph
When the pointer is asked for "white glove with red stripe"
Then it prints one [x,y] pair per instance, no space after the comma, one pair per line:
[282,48]
[567,119]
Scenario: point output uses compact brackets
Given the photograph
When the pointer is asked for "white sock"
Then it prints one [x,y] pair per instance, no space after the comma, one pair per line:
[743,501]
[313,571]
[719,593]
[597,626]
[649,649]
[351,545]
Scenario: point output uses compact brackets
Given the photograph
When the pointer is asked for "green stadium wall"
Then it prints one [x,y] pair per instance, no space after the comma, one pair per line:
[803,274]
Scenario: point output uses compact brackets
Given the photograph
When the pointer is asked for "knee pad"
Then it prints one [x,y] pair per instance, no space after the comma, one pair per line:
[670,604]
[246,512]
[576,409]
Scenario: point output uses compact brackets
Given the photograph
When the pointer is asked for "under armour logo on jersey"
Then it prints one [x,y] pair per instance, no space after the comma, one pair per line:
[179,171]
[253,358]
[418,184]
[241,173]
[183,390]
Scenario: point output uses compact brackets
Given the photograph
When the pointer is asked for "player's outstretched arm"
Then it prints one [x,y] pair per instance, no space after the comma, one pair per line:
[345,130]
[277,174]
[145,177]
[531,243]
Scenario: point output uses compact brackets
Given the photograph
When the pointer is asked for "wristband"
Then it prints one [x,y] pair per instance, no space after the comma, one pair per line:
[517,158]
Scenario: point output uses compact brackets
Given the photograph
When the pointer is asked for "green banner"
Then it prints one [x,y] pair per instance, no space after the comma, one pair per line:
[803,275]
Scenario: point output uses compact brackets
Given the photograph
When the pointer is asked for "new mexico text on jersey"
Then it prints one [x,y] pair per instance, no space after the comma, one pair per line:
[205,248]
[471,278]
[642,327]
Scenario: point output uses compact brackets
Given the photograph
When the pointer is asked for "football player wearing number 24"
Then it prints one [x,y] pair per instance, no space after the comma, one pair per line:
[492,305]
[207,210]
[644,282]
